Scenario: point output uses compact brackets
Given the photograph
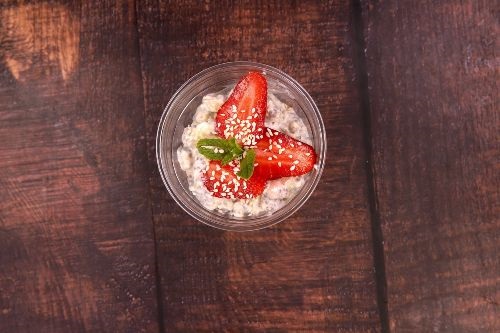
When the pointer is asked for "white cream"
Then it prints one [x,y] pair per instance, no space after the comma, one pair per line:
[277,193]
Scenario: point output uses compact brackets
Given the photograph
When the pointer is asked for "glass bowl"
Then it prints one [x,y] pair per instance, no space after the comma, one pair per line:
[179,114]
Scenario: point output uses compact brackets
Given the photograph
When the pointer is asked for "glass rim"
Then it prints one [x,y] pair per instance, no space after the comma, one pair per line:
[260,222]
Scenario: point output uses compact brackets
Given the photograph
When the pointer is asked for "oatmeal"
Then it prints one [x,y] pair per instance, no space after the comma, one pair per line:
[277,193]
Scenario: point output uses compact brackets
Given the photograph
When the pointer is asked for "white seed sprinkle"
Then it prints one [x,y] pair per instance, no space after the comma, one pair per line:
[279,164]
[290,156]
[270,158]
[292,168]
[295,162]
[308,154]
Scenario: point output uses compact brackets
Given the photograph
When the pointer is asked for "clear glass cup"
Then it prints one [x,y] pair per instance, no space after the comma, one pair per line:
[179,114]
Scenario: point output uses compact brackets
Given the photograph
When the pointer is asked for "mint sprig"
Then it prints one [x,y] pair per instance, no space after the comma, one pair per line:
[247,165]
[224,150]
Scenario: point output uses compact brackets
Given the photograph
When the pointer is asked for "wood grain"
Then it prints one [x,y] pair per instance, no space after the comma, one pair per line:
[433,72]
[313,272]
[77,252]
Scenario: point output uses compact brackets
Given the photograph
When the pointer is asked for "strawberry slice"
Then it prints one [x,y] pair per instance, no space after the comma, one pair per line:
[279,155]
[242,115]
[222,182]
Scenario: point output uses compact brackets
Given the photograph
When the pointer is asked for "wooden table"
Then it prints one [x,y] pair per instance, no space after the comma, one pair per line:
[401,235]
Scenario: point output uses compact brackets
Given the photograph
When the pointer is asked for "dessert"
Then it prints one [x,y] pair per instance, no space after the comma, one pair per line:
[246,154]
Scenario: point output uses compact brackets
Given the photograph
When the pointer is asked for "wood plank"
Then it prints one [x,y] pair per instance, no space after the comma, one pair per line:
[315,271]
[433,72]
[77,251]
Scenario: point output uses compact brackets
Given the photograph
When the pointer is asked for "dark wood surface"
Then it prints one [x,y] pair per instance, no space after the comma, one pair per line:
[402,233]
[314,272]
[76,240]
[433,72]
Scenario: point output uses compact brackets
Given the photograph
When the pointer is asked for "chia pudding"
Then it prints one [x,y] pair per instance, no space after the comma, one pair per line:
[277,193]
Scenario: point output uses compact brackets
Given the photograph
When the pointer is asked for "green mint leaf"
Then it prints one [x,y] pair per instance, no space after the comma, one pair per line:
[210,153]
[247,165]
[227,158]
[220,149]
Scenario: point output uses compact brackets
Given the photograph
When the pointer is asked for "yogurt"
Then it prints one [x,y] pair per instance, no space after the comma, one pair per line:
[277,193]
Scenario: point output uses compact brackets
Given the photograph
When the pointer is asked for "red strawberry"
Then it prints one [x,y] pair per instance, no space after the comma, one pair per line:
[242,115]
[278,155]
[222,182]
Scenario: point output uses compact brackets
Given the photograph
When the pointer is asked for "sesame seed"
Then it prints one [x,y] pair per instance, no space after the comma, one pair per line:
[212,178]
[295,162]
[292,168]
[270,147]
[291,144]
[281,150]
[308,154]
[279,164]
[270,158]
[223,194]
[299,143]
[290,156]
[218,125]
[217,167]
[215,190]
[256,164]
[213,173]
[274,156]
[221,151]
[259,130]
[280,141]
[253,110]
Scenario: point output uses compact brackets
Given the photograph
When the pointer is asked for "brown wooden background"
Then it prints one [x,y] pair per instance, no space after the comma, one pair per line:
[401,235]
